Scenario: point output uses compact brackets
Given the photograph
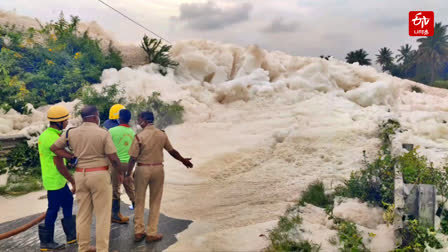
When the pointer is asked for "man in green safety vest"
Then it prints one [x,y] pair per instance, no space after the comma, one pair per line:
[54,176]
[122,136]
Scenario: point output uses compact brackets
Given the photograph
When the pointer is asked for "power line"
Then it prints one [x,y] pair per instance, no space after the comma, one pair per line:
[135,22]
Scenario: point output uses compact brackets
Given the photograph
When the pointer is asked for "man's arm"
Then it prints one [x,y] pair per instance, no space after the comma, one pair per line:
[61,152]
[131,165]
[115,161]
[59,162]
[186,161]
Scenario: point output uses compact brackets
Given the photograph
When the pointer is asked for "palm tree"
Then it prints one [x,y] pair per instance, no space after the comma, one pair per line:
[385,59]
[433,51]
[359,56]
[405,52]
[407,60]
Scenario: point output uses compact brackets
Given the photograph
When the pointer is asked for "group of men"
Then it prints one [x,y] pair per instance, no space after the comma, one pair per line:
[103,160]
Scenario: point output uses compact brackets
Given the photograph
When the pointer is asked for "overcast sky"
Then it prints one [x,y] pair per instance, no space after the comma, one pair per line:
[298,27]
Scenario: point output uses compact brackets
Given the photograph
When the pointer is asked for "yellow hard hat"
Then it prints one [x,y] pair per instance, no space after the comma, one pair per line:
[114,111]
[58,113]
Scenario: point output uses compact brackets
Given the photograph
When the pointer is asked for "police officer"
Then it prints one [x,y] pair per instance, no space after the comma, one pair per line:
[55,176]
[147,151]
[93,146]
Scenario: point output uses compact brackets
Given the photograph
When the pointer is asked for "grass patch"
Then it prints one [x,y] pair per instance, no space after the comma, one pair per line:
[350,238]
[21,185]
[416,169]
[282,237]
[315,195]
[417,237]
[375,182]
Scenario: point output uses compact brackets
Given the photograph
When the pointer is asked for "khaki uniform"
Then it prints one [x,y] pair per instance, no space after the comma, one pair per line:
[148,147]
[127,184]
[91,144]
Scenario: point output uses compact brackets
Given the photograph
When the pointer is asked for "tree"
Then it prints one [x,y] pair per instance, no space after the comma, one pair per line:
[385,59]
[158,53]
[405,52]
[359,56]
[432,51]
[407,62]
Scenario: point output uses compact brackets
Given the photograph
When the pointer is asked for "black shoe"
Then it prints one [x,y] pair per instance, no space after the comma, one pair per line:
[69,226]
[47,243]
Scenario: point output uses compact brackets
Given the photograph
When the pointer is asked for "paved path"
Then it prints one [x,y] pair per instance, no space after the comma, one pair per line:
[121,236]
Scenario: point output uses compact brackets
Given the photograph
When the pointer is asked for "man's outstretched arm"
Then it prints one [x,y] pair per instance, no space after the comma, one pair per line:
[186,161]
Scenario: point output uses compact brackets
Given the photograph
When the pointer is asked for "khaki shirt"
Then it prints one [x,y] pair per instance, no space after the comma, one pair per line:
[90,144]
[148,145]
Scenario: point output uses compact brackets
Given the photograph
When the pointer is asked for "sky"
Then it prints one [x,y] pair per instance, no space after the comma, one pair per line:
[297,27]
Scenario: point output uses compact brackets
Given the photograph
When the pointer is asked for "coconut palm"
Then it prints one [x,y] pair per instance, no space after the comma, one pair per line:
[433,51]
[385,58]
[405,52]
[359,56]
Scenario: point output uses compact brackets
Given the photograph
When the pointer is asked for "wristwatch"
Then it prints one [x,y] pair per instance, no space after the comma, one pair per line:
[126,174]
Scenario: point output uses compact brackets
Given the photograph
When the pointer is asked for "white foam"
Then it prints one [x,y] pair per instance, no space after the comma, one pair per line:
[260,126]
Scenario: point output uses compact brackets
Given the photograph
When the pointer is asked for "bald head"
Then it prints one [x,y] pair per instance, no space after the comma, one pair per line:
[89,113]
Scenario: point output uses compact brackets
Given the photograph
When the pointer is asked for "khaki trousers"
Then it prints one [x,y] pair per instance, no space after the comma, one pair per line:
[154,177]
[93,194]
[128,184]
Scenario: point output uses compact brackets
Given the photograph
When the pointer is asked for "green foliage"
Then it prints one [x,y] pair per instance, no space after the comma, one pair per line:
[165,114]
[389,213]
[315,195]
[350,238]
[444,222]
[387,129]
[433,52]
[440,84]
[47,65]
[359,56]
[385,58]
[21,185]
[416,170]
[281,240]
[375,182]
[158,53]
[103,100]
[416,238]
[23,160]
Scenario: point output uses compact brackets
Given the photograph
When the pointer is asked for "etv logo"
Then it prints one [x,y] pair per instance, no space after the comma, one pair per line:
[421,23]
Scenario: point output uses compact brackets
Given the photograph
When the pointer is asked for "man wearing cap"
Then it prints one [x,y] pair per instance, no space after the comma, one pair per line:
[113,116]
[55,176]
[147,150]
[122,136]
[93,146]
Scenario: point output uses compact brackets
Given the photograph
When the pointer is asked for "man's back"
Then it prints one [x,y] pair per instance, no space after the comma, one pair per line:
[149,144]
[52,179]
[122,137]
[90,144]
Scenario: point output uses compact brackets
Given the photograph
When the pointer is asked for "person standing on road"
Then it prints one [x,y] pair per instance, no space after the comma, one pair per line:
[147,151]
[122,136]
[93,146]
[55,176]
